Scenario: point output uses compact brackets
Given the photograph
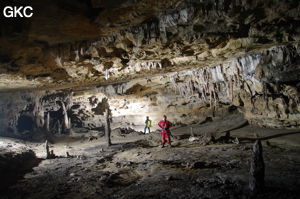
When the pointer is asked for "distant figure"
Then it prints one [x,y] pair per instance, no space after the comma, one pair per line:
[165,125]
[148,124]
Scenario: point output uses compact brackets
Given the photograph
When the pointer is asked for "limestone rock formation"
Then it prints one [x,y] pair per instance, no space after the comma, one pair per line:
[101,42]
[257,170]
[189,59]
[221,70]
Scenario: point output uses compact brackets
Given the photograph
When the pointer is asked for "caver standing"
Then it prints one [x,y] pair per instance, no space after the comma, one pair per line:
[148,124]
[165,125]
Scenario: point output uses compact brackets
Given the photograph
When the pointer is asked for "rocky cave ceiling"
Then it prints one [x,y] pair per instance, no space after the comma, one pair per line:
[94,42]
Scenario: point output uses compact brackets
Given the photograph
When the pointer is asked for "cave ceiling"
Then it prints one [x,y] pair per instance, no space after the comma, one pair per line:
[68,43]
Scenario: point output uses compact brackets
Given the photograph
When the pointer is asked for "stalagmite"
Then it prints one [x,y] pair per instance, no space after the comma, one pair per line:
[257,169]
[192,133]
[48,122]
[68,155]
[107,126]
[236,140]
[52,155]
[77,55]
[106,74]
[58,61]
[47,150]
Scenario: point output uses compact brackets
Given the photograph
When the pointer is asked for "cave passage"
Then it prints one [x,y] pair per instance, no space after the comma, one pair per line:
[25,123]
[150,99]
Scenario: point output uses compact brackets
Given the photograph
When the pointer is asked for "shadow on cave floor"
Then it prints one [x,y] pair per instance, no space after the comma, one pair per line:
[238,127]
[135,167]
[132,169]
[14,165]
[286,137]
[267,137]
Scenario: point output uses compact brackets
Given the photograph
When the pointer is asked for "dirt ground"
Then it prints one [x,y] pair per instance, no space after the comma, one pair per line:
[135,167]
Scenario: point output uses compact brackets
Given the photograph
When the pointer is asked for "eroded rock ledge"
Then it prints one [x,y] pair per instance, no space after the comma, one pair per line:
[264,86]
[137,39]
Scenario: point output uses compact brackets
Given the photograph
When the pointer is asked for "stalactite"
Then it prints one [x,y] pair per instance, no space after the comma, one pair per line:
[69,100]
[172,79]
[58,61]
[231,89]
[215,95]
[210,98]
[38,112]
[208,81]
[149,65]
[106,74]
[66,123]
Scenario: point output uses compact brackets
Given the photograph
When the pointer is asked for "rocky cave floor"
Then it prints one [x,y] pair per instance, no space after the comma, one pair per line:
[135,167]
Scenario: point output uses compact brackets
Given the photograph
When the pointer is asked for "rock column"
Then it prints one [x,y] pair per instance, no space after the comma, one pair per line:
[107,126]
[48,122]
[47,150]
[66,122]
[257,169]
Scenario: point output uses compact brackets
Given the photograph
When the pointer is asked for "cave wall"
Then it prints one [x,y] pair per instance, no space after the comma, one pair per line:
[129,102]
[263,85]
[25,112]
[12,106]
[136,38]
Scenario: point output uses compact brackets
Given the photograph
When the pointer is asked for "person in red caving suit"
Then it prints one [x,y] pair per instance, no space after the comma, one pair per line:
[165,125]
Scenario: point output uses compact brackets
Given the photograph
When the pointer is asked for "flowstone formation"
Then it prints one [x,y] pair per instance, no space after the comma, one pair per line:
[99,42]
[263,85]
[189,59]
[79,78]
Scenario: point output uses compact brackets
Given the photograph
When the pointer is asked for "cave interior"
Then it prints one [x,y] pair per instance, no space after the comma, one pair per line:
[79,77]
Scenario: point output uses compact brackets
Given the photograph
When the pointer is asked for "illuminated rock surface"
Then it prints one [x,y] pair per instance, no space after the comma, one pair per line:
[228,70]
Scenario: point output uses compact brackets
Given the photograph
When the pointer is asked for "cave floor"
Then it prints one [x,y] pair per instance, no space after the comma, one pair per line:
[135,167]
